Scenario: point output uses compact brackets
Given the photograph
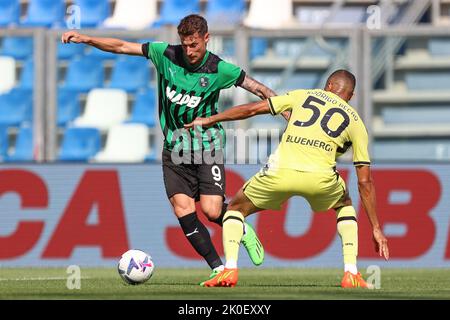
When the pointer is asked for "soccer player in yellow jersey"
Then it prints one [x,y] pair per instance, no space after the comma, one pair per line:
[322,125]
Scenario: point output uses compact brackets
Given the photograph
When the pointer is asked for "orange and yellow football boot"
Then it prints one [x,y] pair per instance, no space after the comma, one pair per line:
[351,280]
[227,278]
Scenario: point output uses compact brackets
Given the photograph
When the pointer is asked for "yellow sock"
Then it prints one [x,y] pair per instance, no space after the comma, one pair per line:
[348,231]
[233,230]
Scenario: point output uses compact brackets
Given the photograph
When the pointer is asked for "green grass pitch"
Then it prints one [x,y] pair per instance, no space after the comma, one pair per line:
[254,284]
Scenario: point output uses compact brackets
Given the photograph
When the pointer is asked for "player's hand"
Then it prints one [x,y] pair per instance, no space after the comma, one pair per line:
[75,37]
[203,122]
[380,242]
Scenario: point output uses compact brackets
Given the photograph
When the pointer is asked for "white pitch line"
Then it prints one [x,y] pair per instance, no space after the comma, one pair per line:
[39,279]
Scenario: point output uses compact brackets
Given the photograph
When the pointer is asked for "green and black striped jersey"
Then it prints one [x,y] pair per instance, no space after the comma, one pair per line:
[186,93]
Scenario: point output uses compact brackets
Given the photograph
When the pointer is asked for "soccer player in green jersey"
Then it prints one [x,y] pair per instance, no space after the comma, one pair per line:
[321,126]
[189,82]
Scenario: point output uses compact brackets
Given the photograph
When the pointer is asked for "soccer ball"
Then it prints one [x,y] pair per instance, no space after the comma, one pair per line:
[135,266]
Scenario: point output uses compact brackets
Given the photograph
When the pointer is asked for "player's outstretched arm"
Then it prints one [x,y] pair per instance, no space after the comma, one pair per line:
[260,90]
[105,44]
[367,192]
[240,112]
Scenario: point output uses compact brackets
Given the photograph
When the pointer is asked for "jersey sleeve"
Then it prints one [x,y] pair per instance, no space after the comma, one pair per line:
[360,143]
[281,103]
[154,51]
[229,75]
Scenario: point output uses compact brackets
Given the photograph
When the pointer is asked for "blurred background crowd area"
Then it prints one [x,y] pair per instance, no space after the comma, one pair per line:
[75,103]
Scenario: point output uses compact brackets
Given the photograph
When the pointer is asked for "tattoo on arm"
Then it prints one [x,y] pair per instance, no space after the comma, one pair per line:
[257,88]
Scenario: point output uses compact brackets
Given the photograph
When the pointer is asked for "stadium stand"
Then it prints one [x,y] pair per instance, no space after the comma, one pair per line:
[144,108]
[174,10]
[8,74]
[84,73]
[130,74]
[118,147]
[4,142]
[94,12]
[224,12]
[16,107]
[80,144]
[104,109]
[133,14]
[19,48]
[45,13]
[9,13]
[68,107]
[23,148]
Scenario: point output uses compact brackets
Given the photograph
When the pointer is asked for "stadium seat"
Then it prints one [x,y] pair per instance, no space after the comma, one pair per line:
[80,144]
[172,11]
[280,15]
[104,108]
[68,107]
[101,55]
[20,48]
[93,12]
[317,15]
[84,74]
[130,74]
[27,75]
[133,14]
[4,141]
[427,80]
[45,13]
[417,114]
[125,143]
[23,150]
[7,74]
[144,108]
[9,12]
[439,47]
[68,51]
[225,12]
[16,107]
[258,47]
[409,149]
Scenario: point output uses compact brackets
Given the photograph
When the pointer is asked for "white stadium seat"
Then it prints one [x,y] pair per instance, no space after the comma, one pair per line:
[133,14]
[7,74]
[104,109]
[125,143]
[280,13]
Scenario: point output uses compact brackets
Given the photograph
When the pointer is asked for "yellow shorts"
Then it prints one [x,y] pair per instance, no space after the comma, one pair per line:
[269,188]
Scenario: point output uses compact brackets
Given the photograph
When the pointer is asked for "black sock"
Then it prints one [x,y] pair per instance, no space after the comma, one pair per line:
[199,237]
[222,213]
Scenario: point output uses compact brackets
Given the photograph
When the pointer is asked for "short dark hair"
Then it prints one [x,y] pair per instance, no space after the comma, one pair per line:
[345,75]
[191,24]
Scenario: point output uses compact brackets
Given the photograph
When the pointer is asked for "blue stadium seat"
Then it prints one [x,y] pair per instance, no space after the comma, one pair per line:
[130,74]
[45,13]
[225,12]
[84,73]
[67,51]
[80,144]
[16,107]
[411,149]
[93,12]
[172,11]
[258,47]
[439,47]
[9,12]
[23,150]
[19,48]
[68,106]
[144,108]
[427,80]
[417,114]
[101,55]
[27,75]
[4,141]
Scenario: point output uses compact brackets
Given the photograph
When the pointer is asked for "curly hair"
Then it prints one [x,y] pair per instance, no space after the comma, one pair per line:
[191,24]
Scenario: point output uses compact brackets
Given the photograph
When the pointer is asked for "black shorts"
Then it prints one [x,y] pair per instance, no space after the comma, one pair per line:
[193,179]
